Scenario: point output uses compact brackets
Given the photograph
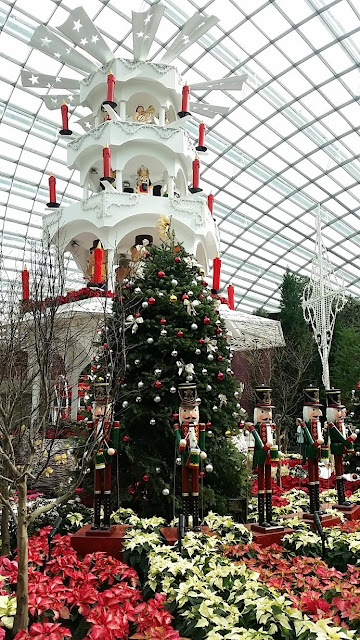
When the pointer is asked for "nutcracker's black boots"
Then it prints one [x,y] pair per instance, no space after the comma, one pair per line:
[269,518]
[97,511]
[195,513]
[261,510]
[107,510]
[185,508]
[340,490]
[317,497]
[312,495]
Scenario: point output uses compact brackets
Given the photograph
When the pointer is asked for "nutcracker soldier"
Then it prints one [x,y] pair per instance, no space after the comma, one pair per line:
[265,450]
[106,434]
[190,443]
[313,439]
[340,442]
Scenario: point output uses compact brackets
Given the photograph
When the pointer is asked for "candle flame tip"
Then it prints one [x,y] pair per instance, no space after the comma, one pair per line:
[63,102]
[25,268]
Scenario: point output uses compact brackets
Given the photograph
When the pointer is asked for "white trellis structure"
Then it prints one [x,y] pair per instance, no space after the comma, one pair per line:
[324,296]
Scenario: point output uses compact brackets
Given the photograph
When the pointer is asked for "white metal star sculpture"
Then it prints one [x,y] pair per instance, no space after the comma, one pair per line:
[83,35]
[324,296]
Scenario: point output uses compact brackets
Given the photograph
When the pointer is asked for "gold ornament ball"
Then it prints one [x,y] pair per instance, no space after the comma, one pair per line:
[228,434]
[173,298]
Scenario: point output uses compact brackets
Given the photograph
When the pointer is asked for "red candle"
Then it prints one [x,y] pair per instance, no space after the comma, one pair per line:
[196,172]
[52,188]
[201,134]
[25,283]
[216,273]
[110,87]
[231,300]
[107,159]
[65,115]
[210,202]
[98,258]
[185,98]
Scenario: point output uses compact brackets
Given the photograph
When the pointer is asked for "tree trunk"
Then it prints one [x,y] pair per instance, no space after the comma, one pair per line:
[22,595]
[5,535]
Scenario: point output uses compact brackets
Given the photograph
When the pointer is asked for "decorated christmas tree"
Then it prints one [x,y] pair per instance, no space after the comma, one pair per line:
[174,335]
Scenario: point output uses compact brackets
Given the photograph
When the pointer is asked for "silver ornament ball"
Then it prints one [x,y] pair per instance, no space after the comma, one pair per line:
[178,461]
[174,282]
[137,290]
[174,353]
[198,352]
[144,304]
[209,468]
[158,372]
[157,399]
[152,421]
[150,340]
[194,326]
[210,357]
[172,389]
[208,387]
[125,404]
[140,384]
[137,361]
[138,399]
[165,492]
[204,371]
[163,332]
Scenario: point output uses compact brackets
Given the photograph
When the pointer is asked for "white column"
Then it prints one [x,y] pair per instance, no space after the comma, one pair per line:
[74,400]
[122,110]
[119,179]
[162,115]
[86,190]
[171,186]
[35,399]
[110,269]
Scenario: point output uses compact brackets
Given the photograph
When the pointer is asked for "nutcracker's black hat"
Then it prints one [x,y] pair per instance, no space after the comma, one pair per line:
[263,397]
[188,394]
[311,397]
[333,399]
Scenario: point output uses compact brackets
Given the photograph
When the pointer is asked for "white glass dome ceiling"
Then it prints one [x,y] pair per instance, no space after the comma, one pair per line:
[289,140]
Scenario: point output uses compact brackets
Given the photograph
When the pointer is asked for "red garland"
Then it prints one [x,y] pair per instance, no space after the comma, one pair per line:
[72,296]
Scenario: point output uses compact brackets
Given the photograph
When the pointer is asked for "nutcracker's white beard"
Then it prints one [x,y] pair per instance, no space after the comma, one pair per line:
[334,415]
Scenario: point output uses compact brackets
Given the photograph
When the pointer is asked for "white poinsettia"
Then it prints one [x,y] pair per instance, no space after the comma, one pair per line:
[7,611]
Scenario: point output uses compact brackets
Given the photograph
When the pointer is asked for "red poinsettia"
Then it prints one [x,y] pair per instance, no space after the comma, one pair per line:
[44,631]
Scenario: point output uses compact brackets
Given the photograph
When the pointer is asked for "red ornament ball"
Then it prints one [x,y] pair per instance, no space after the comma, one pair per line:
[201,341]
[177,259]
[175,416]
[105,346]
[205,284]
[180,334]
[146,478]
[93,367]
[218,330]
[207,320]
[185,297]
[162,321]
[219,358]
[137,315]
[157,384]
[161,274]
[201,474]
[208,424]
[201,296]
[126,439]
[151,300]
[220,376]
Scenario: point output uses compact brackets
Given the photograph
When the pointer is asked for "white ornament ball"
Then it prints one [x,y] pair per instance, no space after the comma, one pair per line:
[189,378]
[174,282]
[172,389]
[210,357]
[209,468]
[126,280]
[157,399]
[137,361]
[152,421]
[144,304]
[204,371]
[190,293]
[127,366]
[198,352]
[160,294]
[238,405]
[236,394]
[199,278]
[246,433]
[203,455]
[137,290]
[150,340]
[209,298]
[111,451]
[182,443]
[157,469]
[215,408]
[138,399]
[209,433]
[194,326]
[140,384]
[357,431]
[165,492]
[174,353]
[198,400]
[178,461]
[218,322]
[234,414]
[163,332]
[125,404]
[208,387]
[158,372]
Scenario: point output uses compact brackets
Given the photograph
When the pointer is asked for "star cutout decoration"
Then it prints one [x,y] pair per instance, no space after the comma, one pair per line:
[49,86]
[57,55]
[148,18]
[68,51]
[34,79]
[185,38]
[71,98]
[77,26]
[54,100]
[94,39]
[140,34]
[88,125]
[57,79]
[83,42]
[45,42]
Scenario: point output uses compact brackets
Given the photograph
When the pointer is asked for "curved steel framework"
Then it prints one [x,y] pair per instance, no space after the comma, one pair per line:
[288,143]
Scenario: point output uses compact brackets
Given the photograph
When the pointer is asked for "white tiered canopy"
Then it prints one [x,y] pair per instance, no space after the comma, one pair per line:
[288,141]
